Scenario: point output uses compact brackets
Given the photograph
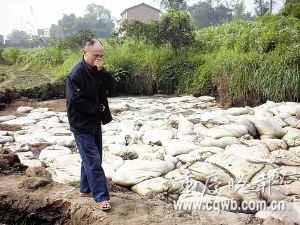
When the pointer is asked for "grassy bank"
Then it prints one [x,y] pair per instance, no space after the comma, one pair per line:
[243,62]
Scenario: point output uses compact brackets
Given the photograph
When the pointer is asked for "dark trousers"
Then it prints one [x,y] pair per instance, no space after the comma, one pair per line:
[92,177]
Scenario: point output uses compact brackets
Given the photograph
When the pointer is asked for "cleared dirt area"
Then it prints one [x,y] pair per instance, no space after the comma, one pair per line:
[61,204]
[54,105]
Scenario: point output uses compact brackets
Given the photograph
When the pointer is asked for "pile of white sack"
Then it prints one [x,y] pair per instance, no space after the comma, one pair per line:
[168,146]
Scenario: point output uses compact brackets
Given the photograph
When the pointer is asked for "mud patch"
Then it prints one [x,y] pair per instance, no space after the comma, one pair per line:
[29,210]
[37,148]
[10,163]
[9,127]
[33,183]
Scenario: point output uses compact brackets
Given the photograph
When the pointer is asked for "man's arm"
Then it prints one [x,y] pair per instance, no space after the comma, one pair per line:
[76,97]
[107,79]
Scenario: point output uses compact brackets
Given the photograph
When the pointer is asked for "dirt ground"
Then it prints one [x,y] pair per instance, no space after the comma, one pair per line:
[58,105]
[60,204]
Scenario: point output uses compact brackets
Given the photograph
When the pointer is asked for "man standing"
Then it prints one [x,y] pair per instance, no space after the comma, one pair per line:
[87,106]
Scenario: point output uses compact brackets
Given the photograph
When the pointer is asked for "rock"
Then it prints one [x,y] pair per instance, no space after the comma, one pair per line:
[47,124]
[185,178]
[215,117]
[23,121]
[176,147]
[60,131]
[28,159]
[24,109]
[9,162]
[289,108]
[63,118]
[38,172]
[290,213]
[280,120]
[7,118]
[254,154]
[30,138]
[156,136]
[284,174]
[113,139]
[65,168]
[296,150]
[40,110]
[272,193]
[110,127]
[225,131]
[199,128]
[285,157]
[185,127]
[52,152]
[157,185]
[239,192]
[272,221]
[199,154]
[37,116]
[293,134]
[34,183]
[293,121]
[247,123]
[5,139]
[238,167]
[18,147]
[206,172]
[221,142]
[267,128]
[275,144]
[249,141]
[206,99]
[122,151]
[216,201]
[111,163]
[237,111]
[147,151]
[67,141]
[280,192]
[136,171]
[117,108]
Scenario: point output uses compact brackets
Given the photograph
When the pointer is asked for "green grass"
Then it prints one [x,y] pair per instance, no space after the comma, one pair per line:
[2,75]
[74,183]
[28,79]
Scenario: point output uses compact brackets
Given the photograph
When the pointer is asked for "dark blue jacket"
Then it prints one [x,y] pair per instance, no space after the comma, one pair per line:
[86,90]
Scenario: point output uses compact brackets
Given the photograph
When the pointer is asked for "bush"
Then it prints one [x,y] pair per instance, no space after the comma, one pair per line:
[292,9]
[250,62]
[11,55]
[75,41]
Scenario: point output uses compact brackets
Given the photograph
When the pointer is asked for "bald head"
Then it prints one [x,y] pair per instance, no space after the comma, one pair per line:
[92,42]
[93,50]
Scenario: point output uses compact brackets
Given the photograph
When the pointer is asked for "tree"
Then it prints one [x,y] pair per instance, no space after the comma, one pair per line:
[135,29]
[205,13]
[261,7]
[177,29]
[173,4]
[18,38]
[68,24]
[239,11]
[292,8]
[99,18]
[96,18]
[74,41]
